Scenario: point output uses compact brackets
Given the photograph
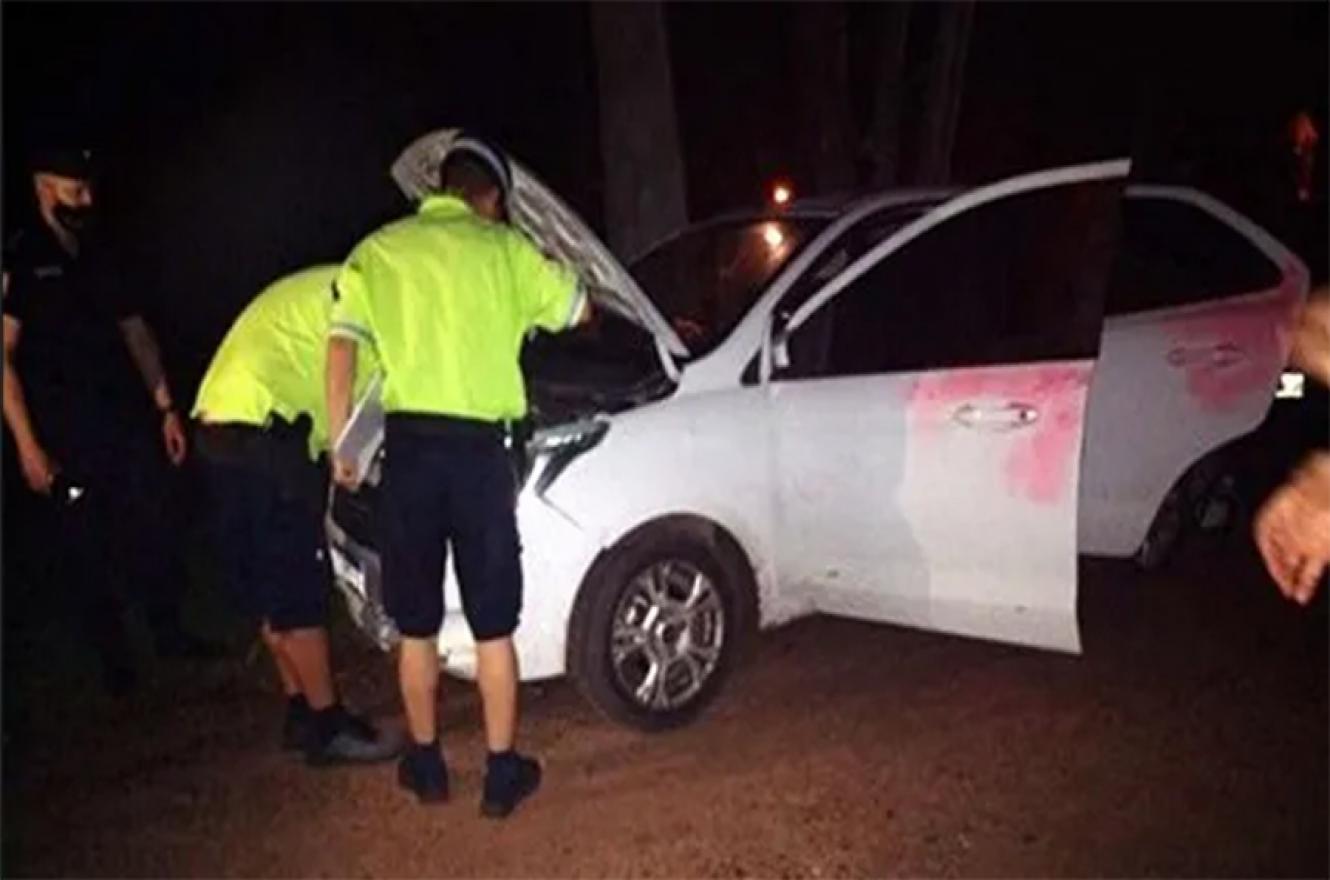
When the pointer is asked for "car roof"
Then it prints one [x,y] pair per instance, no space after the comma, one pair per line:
[831,207]
[826,207]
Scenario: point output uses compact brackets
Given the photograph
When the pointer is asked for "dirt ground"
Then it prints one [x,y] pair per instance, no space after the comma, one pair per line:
[1190,739]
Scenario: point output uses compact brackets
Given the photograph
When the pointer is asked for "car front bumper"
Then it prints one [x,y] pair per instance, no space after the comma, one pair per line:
[556,555]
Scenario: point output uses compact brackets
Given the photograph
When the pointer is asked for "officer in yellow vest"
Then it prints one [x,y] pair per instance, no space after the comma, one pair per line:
[446,298]
[261,425]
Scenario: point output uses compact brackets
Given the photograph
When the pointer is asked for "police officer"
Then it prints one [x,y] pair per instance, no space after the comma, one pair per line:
[77,422]
[261,426]
[446,298]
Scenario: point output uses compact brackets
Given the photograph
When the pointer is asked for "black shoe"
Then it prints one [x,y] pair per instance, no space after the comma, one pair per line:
[339,737]
[510,779]
[421,771]
[298,726]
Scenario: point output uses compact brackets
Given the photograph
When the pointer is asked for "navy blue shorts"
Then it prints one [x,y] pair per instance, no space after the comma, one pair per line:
[267,524]
[447,482]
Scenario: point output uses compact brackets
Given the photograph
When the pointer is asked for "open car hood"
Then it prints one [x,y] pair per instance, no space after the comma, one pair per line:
[558,232]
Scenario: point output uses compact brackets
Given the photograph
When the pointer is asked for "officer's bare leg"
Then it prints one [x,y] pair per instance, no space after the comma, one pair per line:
[496,675]
[418,670]
[307,651]
[286,670]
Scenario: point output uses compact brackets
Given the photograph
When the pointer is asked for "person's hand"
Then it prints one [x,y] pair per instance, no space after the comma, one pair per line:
[344,473]
[39,469]
[1310,345]
[1292,531]
[173,437]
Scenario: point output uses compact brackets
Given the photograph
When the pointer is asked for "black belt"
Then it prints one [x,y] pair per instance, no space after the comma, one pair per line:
[454,427]
[229,441]
[512,436]
[279,450]
[227,437]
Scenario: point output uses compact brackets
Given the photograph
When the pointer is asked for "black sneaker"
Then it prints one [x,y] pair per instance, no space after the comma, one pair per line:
[298,726]
[421,771]
[339,737]
[510,779]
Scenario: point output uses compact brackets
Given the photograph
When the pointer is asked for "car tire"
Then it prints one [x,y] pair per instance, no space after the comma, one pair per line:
[1204,499]
[628,660]
[1167,531]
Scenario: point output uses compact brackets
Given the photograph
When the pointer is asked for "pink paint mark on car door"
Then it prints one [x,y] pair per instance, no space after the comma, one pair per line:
[1035,410]
[1232,350]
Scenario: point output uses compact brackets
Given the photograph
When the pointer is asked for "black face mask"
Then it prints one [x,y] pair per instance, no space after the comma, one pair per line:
[72,218]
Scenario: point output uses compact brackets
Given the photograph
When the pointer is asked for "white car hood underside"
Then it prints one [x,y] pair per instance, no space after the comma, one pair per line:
[555,228]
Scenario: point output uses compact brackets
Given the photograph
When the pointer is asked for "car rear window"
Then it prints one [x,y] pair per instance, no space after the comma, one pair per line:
[1176,254]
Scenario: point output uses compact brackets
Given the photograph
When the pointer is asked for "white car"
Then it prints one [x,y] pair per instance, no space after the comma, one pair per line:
[913,407]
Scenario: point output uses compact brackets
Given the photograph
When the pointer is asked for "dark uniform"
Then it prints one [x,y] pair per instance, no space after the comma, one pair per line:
[92,416]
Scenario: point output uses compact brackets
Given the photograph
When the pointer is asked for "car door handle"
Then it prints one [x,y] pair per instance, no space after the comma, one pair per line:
[1224,354]
[1007,417]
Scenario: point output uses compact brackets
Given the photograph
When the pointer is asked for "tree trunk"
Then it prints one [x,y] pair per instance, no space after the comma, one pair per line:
[942,101]
[884,135]
[639,135]
[819,48]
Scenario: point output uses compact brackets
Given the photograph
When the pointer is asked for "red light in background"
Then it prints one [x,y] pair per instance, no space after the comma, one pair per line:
[1303,137]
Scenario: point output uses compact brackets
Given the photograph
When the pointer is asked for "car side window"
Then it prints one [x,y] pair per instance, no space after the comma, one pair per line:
[849,246]
[1015,280]
[1175,254]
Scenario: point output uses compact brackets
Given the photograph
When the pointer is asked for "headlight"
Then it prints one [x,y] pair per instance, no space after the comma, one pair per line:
[553,449]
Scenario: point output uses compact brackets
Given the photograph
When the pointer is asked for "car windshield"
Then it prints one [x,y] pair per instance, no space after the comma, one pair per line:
[706,279]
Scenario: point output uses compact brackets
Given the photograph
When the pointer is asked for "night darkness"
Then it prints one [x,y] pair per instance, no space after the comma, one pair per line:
[238,142]
[241,141]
